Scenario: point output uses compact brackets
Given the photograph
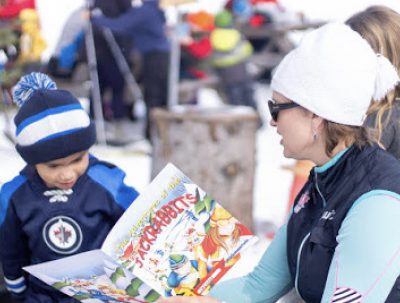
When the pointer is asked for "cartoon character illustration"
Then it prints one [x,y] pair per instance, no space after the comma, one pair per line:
[223,237]
[184,275]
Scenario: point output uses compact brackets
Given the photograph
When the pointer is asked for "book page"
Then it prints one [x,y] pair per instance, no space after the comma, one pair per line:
[176,238]
[93,277]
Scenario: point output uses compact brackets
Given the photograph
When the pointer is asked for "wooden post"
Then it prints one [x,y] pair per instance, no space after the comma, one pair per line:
[215,147]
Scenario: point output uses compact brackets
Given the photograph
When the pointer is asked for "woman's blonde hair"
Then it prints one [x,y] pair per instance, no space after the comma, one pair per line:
[357,135]
[380,26]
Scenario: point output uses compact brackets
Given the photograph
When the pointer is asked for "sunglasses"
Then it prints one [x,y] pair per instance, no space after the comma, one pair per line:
[275,108]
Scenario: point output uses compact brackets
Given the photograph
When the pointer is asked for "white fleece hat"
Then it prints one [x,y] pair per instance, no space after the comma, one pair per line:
[335,74]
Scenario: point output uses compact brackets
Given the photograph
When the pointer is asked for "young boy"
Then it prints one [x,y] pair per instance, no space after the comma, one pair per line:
[64,201]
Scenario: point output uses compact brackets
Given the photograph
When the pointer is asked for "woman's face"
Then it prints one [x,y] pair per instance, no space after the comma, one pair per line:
[295,126]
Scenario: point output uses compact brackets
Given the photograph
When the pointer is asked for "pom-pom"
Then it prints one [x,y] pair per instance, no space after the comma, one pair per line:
[28,84]
[386,79]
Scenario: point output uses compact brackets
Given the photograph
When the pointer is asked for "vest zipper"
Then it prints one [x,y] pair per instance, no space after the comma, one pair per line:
[305,239]
[298,264]
[319,191]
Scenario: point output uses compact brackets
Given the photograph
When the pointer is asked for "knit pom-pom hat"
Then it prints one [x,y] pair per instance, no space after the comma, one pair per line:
[335,74]
[51,123]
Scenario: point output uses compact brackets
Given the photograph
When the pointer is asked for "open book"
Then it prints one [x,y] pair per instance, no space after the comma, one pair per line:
[174,239]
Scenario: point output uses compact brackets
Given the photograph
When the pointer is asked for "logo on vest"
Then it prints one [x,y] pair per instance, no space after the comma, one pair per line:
[328,215]
[62,235]
[58,195]
[305,197]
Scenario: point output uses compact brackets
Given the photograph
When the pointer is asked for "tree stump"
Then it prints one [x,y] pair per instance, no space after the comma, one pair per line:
[215,147]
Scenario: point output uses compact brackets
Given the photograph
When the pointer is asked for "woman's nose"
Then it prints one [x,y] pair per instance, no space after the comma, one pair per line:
[272,122]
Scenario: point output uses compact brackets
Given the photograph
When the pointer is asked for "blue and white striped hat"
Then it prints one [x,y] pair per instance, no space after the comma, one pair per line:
[51,123]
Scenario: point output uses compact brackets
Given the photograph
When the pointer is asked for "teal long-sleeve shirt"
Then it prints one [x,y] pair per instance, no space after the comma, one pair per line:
[366,259]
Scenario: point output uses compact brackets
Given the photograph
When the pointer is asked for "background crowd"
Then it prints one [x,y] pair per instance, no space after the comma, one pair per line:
[214,51]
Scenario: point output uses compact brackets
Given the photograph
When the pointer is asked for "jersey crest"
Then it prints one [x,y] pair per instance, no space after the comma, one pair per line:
[62,235]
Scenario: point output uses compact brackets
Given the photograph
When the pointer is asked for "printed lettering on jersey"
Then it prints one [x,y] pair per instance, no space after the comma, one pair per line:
[328,215]
[305,197]
[62,235]
[58,195]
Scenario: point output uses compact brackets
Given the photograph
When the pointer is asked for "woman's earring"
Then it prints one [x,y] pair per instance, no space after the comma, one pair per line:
[315,135]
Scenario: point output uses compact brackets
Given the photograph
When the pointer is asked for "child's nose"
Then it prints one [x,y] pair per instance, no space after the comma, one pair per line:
[67,175]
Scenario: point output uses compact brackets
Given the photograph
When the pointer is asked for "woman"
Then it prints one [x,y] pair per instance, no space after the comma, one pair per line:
[341,243]
[380,26]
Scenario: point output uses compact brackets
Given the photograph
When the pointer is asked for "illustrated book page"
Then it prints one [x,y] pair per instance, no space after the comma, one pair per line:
[176,238]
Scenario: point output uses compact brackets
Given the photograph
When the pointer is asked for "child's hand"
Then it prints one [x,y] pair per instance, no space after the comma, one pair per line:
[179,299]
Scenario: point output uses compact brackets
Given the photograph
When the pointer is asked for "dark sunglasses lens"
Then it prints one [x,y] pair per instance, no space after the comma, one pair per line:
[273,110]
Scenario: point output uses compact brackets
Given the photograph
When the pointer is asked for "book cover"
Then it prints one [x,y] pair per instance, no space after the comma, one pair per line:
[173,240]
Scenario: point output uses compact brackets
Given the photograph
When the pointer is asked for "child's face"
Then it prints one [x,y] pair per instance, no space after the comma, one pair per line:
[63,173]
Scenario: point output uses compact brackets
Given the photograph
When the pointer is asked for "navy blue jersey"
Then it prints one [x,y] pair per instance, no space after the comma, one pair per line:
[39,224]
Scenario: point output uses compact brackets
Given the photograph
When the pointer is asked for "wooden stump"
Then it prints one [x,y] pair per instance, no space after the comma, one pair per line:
[214,147]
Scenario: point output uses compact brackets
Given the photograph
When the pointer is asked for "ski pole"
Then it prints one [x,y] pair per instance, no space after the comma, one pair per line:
[94,77]
[123,65]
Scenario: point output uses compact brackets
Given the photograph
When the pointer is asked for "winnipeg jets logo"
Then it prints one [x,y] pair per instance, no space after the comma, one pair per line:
[58,195]
[305,197]
[62,235]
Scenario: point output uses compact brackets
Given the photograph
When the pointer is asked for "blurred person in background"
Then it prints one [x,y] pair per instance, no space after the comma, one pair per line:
[144,22]
[194,37]
[380,26]
[196,45]
[111,79]
[231,52]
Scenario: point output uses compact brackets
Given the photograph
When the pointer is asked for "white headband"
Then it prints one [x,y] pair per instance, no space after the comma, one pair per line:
[335,74]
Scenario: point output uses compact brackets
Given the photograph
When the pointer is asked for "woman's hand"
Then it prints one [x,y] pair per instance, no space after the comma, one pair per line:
[179,299]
